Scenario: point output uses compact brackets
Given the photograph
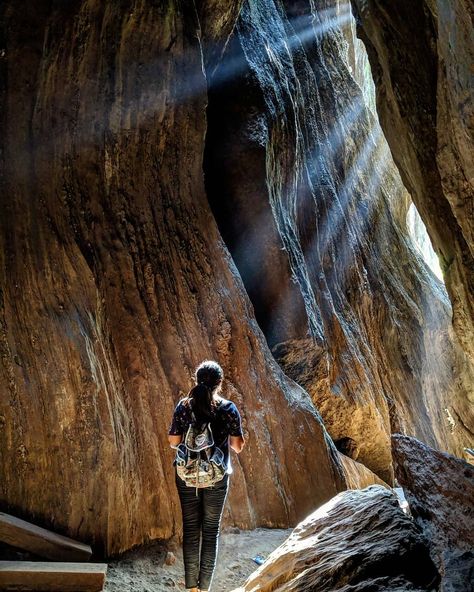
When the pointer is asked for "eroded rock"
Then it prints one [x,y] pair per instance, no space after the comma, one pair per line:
[307,198]
[440,491]
[358,541]
[421,54]
[357,475]
[115,283]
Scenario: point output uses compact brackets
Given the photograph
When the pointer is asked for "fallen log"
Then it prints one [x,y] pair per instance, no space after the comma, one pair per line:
[42,542]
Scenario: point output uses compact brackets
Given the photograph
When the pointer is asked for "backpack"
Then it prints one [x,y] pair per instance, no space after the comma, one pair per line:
[199,461]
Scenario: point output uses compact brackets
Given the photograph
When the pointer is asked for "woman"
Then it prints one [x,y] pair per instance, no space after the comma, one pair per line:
[202,513]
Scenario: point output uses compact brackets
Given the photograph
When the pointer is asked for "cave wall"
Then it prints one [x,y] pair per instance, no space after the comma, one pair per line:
[115,283]
[421,55]
[116,280]
[308,199]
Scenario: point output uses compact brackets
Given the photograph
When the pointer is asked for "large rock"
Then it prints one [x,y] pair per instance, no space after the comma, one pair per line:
[359,541]
[440,491]
[311,206]
[115,283]
[421,54]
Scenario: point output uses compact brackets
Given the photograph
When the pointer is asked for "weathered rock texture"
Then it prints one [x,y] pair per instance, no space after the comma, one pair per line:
[309,202]
[421,54]
[115,283]
[359,541]
[440,491]
[357,475]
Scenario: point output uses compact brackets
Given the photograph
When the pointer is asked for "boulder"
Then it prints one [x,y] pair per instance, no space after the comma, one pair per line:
[440,491]
[359,541]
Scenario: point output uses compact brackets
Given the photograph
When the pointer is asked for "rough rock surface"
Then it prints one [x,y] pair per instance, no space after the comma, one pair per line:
[358,541]
[115,283]
[440,491]
[357,475]
[308,200]
[421,54]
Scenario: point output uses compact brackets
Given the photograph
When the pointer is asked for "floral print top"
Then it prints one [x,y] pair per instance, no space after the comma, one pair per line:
[226,421]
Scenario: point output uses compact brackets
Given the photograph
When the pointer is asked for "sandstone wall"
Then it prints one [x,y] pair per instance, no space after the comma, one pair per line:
[115,283]
[116,280]
[309,201]
[421,56]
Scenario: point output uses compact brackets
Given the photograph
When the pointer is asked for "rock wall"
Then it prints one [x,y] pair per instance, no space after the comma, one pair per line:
[309,202]
[116,280]
[115,283]
[421,55]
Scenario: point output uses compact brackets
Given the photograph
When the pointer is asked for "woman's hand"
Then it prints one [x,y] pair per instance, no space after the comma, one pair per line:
[237,443]
[175,440]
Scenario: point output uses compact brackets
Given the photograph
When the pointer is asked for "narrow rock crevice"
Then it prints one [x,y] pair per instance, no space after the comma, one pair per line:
[235,177]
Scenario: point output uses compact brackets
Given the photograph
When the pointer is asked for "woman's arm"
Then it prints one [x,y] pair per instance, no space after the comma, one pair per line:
[237,443]
[174,440]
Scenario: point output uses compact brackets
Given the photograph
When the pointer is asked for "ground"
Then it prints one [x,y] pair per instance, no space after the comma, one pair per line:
[144,570]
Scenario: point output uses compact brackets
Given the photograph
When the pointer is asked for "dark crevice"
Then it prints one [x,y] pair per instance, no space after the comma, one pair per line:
[235,177]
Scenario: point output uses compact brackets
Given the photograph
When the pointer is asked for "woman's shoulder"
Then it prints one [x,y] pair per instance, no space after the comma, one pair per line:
[183,403]
[226,404]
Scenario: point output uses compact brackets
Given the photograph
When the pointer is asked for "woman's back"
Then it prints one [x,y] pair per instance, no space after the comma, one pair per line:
[224,421]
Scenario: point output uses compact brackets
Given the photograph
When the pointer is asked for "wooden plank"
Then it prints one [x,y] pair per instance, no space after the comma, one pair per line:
[45,543]
[51,576]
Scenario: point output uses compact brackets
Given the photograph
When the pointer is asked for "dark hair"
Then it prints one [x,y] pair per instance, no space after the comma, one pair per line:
[208,376]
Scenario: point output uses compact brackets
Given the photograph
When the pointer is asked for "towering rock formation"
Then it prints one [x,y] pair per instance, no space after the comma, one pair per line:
[310,204]
[115,283]
[421,54]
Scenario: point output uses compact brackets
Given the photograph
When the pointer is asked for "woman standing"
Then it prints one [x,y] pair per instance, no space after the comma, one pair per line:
[202,512]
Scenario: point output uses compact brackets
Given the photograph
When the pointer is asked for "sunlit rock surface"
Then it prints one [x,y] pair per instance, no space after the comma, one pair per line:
[359,541]
[116,279]
[115,283]
[357,475]
[421,55]
[308,200]
[440,491]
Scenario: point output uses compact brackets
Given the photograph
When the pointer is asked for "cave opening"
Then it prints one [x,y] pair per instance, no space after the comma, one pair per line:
[422,242]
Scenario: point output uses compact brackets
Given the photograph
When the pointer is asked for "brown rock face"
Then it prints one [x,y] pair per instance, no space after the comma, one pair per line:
[115,283]
[115,280]
[421,54]
[357,475]
[440,491]
[309,202]
[359,541]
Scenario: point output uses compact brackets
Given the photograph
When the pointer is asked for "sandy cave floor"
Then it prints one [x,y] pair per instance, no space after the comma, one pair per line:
[144,569]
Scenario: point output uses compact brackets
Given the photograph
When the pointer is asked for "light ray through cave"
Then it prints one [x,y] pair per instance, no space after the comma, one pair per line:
[305,29]
[151,100]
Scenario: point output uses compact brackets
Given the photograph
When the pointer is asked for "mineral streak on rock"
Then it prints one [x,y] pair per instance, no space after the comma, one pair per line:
[358,541]
[115,283]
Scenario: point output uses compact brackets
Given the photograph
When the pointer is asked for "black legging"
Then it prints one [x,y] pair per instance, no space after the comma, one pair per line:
[201,513]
